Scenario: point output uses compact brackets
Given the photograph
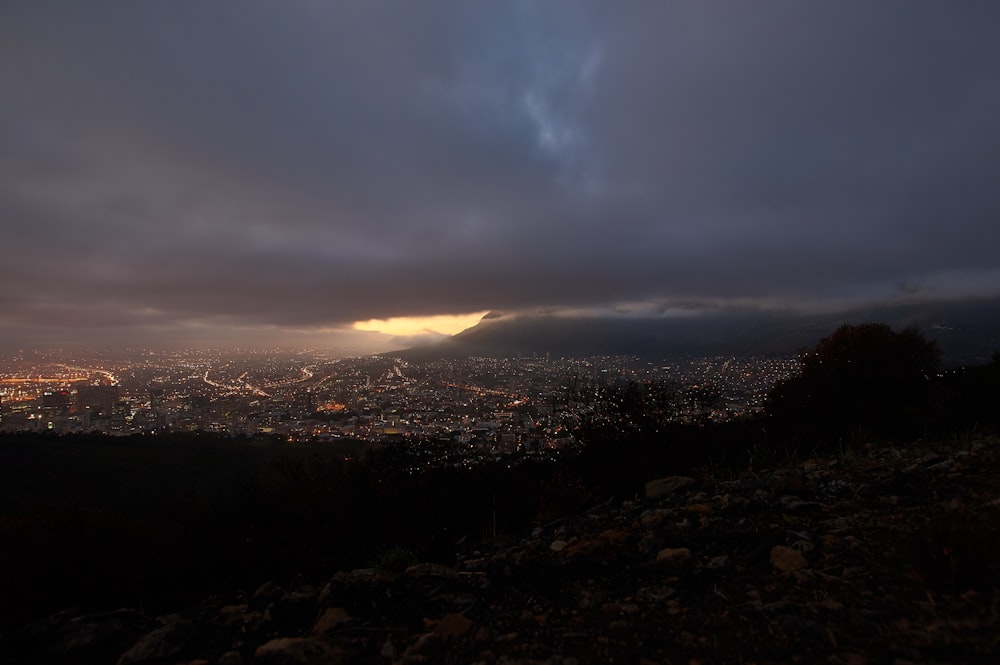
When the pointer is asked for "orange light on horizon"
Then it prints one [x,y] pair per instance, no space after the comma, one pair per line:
[443,324]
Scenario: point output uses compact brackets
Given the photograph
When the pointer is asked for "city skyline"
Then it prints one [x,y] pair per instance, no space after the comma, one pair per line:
[376,175]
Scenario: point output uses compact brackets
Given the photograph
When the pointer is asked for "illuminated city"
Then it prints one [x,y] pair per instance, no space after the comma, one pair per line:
[486,403]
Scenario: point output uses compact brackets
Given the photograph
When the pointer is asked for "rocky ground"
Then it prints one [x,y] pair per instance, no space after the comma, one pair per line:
[883,556]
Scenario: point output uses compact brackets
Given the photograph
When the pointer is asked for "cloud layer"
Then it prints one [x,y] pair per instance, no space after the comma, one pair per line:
[263,170]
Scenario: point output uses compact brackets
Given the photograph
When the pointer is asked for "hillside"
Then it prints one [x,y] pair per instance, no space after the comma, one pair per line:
[967,331]
[886,555]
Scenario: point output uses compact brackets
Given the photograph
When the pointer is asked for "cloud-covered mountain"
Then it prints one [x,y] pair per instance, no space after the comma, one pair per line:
[967,332]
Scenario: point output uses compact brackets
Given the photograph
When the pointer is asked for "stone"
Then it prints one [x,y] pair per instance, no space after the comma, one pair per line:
[231,658]
[665,486]
[241,616]
[266,593]
[432,570]
[75,636]
[295,608]
[653,518]
[674,556]
[388,649]
[650,543]
[426,646]
[792,481]
[787,559]
[620,609]
[558,545]
[620,628]
[720,561]
[296,651]
[655,594]
[344,585]
[453,625]
[364,577]
[330,619]
[159,644]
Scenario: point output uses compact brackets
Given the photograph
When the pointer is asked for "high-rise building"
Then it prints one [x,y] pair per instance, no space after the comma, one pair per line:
[100,399]
[55,402]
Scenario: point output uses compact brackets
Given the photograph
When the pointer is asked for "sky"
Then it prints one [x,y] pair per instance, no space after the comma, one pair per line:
[311,173]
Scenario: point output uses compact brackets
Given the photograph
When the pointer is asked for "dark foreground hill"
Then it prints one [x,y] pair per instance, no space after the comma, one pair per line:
[879,556]
[968,332]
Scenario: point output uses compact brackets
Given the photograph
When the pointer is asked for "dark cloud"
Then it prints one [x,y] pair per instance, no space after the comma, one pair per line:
[282,170]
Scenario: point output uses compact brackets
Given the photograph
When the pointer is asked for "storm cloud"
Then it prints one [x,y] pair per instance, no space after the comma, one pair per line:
[275,171]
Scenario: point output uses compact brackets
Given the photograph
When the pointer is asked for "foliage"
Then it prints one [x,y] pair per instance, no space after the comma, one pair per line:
[395,559]
[967,398]
[863,380]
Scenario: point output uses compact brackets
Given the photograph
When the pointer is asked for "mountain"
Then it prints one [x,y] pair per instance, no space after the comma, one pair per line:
[968,332]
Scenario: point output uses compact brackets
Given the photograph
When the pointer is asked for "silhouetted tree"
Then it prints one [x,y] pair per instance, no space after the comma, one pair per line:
[968,397]
[862,378]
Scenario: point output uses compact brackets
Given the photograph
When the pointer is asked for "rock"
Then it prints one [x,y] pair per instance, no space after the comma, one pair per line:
[658,594]
[388,649]
[787,559]
[654,518]
[720,561]
[295,608]
[345,587]
[620,628]
[790,502]
[159,644]
[296,651]
[664,486]
[75,637]
[620,609]
[432,570]
[231,658]
[426,645]
[558,545]
[364,577]
[650,543]
[242,617]
[792,481]
[452,626]
[329,620]
[674,556]
[606,546]
[266,593]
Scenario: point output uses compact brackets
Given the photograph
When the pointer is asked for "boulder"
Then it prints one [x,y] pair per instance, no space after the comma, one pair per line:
[159,644]
[296,651]
[266,593]
[674,556]
[787,559]
[665,486]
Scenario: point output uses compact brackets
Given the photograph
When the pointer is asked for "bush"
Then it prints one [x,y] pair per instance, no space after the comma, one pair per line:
[862,379]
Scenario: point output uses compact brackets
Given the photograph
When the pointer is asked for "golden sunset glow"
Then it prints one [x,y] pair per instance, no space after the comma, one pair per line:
[445,324]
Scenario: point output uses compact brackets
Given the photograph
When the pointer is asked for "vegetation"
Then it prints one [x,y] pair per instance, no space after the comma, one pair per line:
[865,380]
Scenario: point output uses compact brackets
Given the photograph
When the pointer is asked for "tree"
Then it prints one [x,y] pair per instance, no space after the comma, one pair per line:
[862,378]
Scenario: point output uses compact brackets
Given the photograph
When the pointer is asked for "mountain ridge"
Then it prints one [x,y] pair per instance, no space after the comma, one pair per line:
[968,332]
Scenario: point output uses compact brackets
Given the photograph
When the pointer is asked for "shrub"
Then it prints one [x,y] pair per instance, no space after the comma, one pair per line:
[862,378]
